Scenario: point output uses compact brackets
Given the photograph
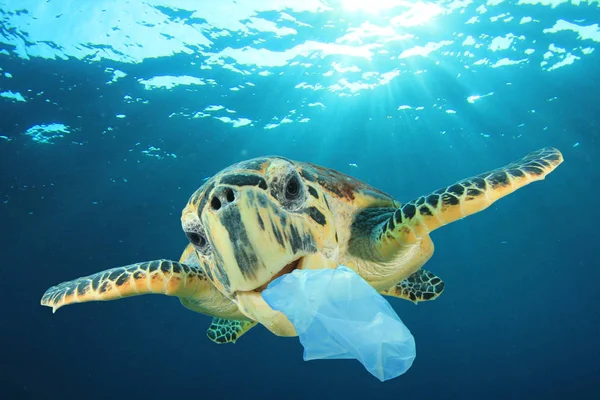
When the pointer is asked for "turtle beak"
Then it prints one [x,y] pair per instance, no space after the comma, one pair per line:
[252,304]
[253,240]
[286,270]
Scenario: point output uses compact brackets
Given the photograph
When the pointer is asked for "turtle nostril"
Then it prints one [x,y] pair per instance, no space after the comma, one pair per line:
[230,195]
[222,197]
[215,203]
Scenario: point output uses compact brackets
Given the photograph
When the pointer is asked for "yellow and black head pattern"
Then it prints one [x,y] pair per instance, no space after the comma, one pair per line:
[256,220]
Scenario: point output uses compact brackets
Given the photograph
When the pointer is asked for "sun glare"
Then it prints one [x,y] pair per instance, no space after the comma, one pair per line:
[372,6]
[414,12]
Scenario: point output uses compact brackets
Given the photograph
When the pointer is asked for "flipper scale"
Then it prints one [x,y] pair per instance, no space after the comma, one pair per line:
[223,330]
[424,214]
[421,286]
[158,276]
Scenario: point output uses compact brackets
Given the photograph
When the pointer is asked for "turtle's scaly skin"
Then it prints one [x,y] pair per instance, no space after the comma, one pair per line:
[223,330]
[398,241]
[472,195]
[420,286]
[261,218]
[158,276]
[183,279]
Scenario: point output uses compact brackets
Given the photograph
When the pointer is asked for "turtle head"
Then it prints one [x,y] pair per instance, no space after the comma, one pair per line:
[255,221]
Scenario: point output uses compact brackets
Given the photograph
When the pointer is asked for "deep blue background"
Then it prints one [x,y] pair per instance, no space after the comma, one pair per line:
[518,319]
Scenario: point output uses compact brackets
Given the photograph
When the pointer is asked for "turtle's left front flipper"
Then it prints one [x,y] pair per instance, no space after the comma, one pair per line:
[415,219]
[160,277]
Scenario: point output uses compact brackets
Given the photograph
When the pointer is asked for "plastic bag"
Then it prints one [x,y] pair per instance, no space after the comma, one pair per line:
[337,314]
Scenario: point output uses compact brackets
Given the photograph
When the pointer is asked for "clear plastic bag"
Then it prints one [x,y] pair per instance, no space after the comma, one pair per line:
[337,314]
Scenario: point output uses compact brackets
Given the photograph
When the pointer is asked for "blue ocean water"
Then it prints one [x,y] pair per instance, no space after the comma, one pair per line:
[113,112]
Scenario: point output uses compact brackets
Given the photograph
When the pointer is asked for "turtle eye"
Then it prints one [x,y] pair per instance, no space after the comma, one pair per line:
[292,188]
[197,239]
[289,190]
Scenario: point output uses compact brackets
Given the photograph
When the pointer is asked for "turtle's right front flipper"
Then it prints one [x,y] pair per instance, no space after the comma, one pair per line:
[160,276]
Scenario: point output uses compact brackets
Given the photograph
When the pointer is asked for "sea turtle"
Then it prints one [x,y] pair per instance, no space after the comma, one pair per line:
[261,218]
